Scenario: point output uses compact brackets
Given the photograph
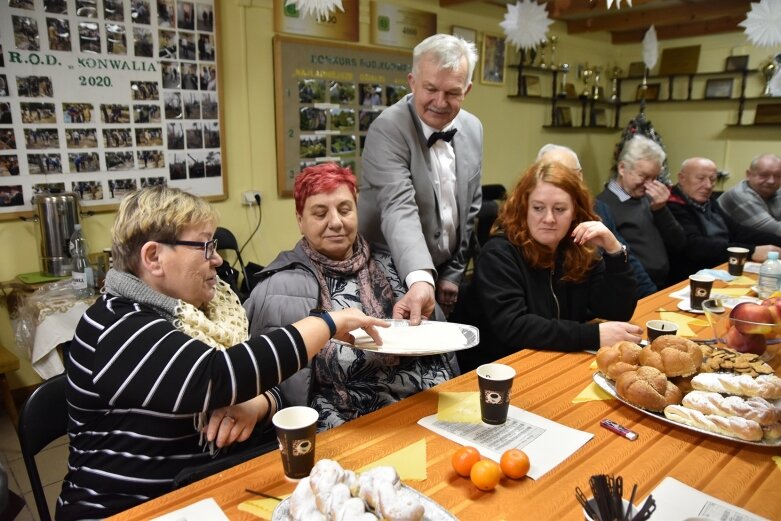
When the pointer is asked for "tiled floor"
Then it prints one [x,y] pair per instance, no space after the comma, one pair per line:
[52,464]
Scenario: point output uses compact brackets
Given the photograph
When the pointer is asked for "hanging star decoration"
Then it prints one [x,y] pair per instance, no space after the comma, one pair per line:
[650,48]
[321,9]
[618,4]
[763,23]
[525,24]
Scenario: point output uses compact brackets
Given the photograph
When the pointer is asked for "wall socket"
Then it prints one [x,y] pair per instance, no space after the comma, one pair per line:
[249,198]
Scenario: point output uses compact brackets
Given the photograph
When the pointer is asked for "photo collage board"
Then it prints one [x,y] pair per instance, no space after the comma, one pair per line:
[327,96]
[103,97]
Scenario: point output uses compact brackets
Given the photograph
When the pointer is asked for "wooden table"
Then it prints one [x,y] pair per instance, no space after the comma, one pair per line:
[743,475]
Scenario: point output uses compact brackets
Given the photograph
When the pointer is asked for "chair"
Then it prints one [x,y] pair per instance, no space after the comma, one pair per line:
[43,419]
[226,241]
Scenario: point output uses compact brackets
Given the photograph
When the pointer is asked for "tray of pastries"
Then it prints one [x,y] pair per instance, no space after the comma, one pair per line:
[331,492]
[710,390]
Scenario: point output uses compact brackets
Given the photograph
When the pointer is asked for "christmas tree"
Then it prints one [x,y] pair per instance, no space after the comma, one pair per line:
[639,125]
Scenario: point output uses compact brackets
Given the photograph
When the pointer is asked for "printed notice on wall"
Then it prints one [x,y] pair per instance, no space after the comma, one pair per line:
[102,97]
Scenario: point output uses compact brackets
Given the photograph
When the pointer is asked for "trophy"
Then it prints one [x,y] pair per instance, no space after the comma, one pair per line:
[564,68]
[541,54]
[596,89]
[552,63]
[615,74]
[586,76]
[768,70]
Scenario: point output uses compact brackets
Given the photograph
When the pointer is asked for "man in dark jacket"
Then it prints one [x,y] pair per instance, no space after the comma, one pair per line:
[709,231]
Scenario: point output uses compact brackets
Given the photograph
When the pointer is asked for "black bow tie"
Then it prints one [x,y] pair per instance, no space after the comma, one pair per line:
[444,136]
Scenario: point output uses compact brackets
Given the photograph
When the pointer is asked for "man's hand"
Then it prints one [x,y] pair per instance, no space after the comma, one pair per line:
[658,192]
[760,252]
[447,296]
[417,304]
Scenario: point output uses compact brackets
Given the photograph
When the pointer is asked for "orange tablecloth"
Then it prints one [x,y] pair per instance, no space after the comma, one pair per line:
[740,474]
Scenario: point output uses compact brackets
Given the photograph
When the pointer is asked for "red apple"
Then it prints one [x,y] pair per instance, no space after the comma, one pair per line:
[753,318]
[745,343]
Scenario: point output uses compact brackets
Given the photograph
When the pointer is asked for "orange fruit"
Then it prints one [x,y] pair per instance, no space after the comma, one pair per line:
[463,459]
[514,463]
[485,474]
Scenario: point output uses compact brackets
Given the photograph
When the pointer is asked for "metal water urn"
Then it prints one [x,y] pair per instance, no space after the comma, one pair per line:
[57,215]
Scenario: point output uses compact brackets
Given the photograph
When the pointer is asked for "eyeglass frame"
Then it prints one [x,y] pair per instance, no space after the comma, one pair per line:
[205,245]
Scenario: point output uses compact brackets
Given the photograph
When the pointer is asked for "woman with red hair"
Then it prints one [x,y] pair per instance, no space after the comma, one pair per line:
[549,267]
[331,268]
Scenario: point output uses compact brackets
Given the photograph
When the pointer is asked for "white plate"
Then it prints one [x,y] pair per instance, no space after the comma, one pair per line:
[433,510]
[429,338]
[608,386]
[683,305]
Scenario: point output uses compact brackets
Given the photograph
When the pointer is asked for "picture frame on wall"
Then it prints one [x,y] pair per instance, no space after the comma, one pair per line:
[736,63]
[636,70]
[562,117]
[470,35]
[718,88]
[492,60]
[531,86]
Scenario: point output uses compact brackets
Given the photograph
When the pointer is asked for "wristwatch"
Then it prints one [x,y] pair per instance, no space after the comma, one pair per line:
[619,253]
[321,313]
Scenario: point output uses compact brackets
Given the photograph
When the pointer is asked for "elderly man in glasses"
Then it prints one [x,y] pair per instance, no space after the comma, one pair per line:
[638,201]
[756,201]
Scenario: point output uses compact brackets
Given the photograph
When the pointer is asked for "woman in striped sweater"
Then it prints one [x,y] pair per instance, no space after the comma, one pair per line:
[162,373]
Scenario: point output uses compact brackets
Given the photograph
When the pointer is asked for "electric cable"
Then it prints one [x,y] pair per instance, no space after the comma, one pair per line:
[257,227]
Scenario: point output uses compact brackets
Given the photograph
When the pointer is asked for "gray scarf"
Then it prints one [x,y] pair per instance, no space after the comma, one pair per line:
[123,284]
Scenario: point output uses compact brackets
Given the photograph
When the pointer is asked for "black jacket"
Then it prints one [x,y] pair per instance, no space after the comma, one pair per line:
[516,306]
[704,250]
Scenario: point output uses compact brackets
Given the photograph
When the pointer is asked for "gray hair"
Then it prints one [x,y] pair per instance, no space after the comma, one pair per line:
[551,147]
[447,51]
[641,148]
[760,157]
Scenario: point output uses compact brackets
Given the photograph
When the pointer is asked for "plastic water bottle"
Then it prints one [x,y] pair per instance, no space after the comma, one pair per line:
[769,275]
[82,276]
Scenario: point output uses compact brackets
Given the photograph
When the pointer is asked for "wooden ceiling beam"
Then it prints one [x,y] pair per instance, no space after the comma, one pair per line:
[668,32]
[451,3]
[679,14]
[580,8]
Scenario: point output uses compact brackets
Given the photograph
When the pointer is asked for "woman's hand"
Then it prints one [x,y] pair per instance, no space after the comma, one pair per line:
[350,318]
[612,332]
[235,423]
[596,233]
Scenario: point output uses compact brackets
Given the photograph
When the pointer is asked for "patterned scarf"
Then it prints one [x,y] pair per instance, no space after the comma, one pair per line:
[375,290]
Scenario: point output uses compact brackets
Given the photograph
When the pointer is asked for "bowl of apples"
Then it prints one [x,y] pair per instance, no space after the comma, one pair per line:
[747,327]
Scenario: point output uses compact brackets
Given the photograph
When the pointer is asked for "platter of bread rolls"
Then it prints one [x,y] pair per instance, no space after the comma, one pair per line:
[711,390]
[331,492]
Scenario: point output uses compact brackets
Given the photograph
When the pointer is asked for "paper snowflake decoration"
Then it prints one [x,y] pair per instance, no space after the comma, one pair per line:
[763,23]
[525,23]
[321,9]
[618,3]
[650,48]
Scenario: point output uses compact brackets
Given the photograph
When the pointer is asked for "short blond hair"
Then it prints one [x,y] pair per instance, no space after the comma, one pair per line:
[156,213]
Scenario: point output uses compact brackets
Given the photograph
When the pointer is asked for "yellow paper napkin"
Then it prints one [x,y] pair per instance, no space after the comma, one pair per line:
[409,462]
[263,508]
[742,281]
[731,292]
[593,365]
[592,393]
[777,459]
[683,322]
[459,407]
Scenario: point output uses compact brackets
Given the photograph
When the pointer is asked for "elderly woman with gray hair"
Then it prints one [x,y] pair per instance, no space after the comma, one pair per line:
[638,202]
[163,359]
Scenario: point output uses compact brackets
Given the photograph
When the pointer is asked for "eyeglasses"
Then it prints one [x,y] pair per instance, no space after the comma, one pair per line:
[208,247]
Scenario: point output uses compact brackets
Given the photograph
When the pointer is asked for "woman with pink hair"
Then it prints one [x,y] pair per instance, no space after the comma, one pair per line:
[330,268]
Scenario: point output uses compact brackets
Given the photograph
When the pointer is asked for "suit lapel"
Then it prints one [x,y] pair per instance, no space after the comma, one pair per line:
[462,174]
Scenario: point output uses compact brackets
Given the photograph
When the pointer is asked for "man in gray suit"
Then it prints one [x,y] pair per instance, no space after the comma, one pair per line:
[420,184]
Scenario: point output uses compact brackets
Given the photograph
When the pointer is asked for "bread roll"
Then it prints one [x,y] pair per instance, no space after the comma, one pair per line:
[772,432]
[754,408]
[648,388]
[615,360]
[734,426]
[672,355]
[764,386]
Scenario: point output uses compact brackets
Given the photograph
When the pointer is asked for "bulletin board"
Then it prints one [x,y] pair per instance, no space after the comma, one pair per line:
[103,97]
[326,96]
